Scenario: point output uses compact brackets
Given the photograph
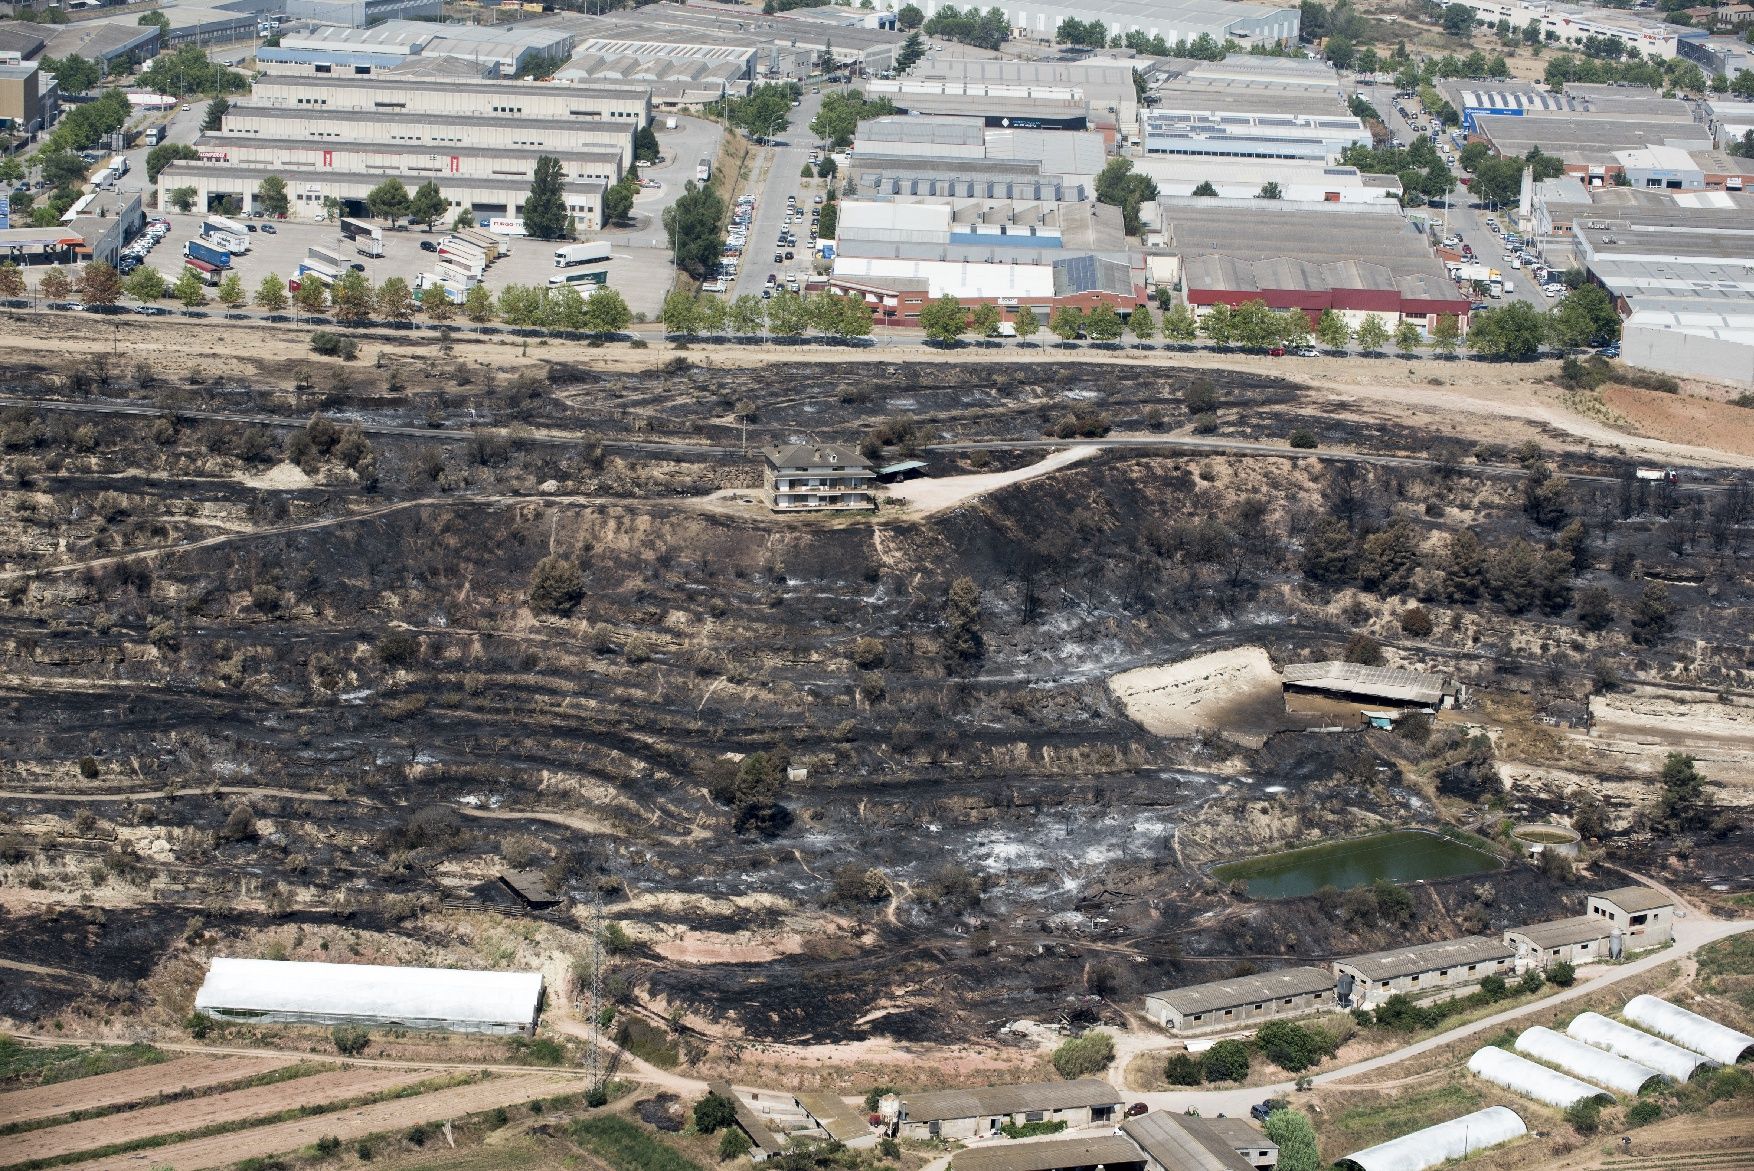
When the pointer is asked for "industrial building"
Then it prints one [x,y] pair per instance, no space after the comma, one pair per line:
[1357,259]
[1173,20]
[21,96]
[781,46]
[1024,107]
[360,13]
[1666,1057]
[674,82]
[1101,1152]
[957,145]
[1720,1043]
[411,163]
[1105,85]
[1242,1001]
[1576,101]
[1295,182]
[337,50]
[1569,26]
[1727,118]
[1423,971]
[1436,1145]
[1182,1142]
[1593,1065]
[105,221]
[1531,1079]
[446,99]
[967,1114]
[764,1141]
[360,129]
[1586,146]
[1354,683]
[1242,83]
[283,992]
[1254,136]
[113,44]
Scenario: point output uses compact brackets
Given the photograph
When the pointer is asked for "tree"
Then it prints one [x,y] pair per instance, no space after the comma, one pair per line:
[143,284]
[1066,323]
[1182,1070]
[944,319]
[183,198]
[1683,803]
[1227,1061]
[1026,323]
[352,295]
[478,305]
[231,291]
[1218,323]
[1584,317]
[1253,326]
[1562,974]
[189,289]
[1513,332]
[1446,335]
[436,304]
[1291,1046]
[1179,324]
[911,50]
[680,314]
[1205,190]
[312,295]
[909,17]
[166,153]
[964,643]
[388,200]
[618,201]
[1332,331]
[427,205]
[557,587]
[99,284]
[270,294]
[1372,333]
[395,301]
[271,197]
[1103,324]
[214,118]
[986,319]
[1269,190]
[55,284]
[1407,336]
[545,207]
[1141,324]
[645,145]
[747,315]
[606,311]
[766,112]
[693,224]
[733,1144]
[1084,1056]
[1291,1129]
[1119,185]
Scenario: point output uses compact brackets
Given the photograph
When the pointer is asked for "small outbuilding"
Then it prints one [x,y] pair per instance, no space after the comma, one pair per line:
[833,1116]
[1701,1034]
[1435,1145]
[1667,1058]
[1423,971]
[531,888]
[1596,1066]
[1334,688]
[1531,1079]
[985,1110]
[1645,916]
[1102,1152]
[763,1141]
[372,995]
[1581,939]
[1182,1142]
[1242,1001]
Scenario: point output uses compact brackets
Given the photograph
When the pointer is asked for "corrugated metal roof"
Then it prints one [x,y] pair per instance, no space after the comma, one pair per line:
[1429,957]
[1240,990]
[751,1123]
[1171,1140]
[1357,679]
[834,1115]
[1109,1150]
[1565,932]
[993,1101]
[1636,898]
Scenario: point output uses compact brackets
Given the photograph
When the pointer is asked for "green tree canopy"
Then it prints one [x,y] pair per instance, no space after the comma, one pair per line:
[545,207]
[388,200]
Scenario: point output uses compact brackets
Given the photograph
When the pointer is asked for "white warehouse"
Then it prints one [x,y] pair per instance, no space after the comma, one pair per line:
[1173,20]
[370,994]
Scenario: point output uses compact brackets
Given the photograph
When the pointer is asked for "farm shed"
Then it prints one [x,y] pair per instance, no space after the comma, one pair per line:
[1646,916]
[1530,1079]
[1179,1142]
[1242,1000]
[1109,1151]
[748,1122]
[966,1114]
[1376,686]
[1455,1139]
[1665,1057]
[1421,971]
[1581,939]
[283,992]
[838,1120]
[1593,1065]
[1698,1033]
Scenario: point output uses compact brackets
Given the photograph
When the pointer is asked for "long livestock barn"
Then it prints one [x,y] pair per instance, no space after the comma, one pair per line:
[276,992]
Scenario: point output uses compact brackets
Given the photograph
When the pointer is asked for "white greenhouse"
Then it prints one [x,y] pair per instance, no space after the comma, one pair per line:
[1456,1139]
[368,994]
[1701,1034]
[1596,1066]
[1665,1057]
[1531,1079]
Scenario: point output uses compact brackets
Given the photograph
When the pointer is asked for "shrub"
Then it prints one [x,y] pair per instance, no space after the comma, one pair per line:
[1562,974]
[1227,1061]
[240,824]
[364,1151]
[888,1148]
[713,1113]
[1292,1047]
[333,345]
[1643,1113]
[597,1096]
[1182,1070]
[350,1040]
[733,1144]
[1083,1056]
[1585,1116]
[1493,987]
[1532,980]
[1031,1129]
[869,653]
[1303,440]
[1415,621]
[556,586]
[328,1145]
[88,767]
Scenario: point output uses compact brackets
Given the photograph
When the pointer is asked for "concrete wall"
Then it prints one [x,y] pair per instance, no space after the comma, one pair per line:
[415,164]
[1438,983]
[1529,956]
[967,1128]
[477,99]
[1646,929]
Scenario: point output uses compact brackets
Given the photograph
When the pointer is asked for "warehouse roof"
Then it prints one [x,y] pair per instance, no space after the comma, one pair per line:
[1179,1143]
[1238,990]
[1344,232]
[303,117]
[1378,682]
[1109,1150]
[1586,141]
[497,89]
[370,990]
[1429,957]
[941,1105]
[1636,898]
[1565,932]
[191,167]
[219,142]
[832,1113]
[98,40]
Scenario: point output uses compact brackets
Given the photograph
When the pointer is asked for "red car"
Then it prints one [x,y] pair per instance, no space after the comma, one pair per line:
[1277,351]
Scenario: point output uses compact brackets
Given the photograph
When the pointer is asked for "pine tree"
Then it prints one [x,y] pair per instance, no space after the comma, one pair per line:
[545,207]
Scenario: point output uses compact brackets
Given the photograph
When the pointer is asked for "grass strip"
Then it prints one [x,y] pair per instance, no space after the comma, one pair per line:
[149,1142]
[270,1077]
[29,1066]
[627,1147]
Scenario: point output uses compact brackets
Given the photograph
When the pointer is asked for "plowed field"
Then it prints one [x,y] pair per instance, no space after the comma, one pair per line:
[130,1085]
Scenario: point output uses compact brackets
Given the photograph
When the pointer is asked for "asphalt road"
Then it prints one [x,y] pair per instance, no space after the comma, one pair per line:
[775,176]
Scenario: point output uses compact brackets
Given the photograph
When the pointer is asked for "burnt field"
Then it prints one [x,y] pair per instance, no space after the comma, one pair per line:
[262,672]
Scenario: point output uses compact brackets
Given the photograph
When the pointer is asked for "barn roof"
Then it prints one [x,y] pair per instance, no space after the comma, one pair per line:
[939,1105]
[1239,990]
[1357,679]
[1429,957]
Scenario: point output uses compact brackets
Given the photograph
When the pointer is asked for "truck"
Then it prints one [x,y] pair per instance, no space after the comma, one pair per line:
[1659,475]
[326,257]
[196,250]
[462,250]
[367,239]
[703,170]
[208,273]
[1474,272]
[313,270]
[492,247]
[153,135]
[119,165]
[586,253]
[456,274]
[214,238]
[507,227]
[225,225]
[454,293]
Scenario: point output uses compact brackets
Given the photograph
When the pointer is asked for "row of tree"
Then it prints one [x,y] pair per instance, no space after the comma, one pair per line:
[785,315]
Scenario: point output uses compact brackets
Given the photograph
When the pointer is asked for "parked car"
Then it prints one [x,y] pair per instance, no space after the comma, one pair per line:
[1260,1110]
[1136,1109]
[428,246]
[153,311]
[356,266]
[270,229]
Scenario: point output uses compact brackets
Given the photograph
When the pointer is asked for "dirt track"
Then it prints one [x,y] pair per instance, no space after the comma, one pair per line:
[130,1085]
[55,1141]
[223,1150]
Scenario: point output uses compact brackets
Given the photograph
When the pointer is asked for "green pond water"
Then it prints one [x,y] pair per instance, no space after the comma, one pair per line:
[1405,855]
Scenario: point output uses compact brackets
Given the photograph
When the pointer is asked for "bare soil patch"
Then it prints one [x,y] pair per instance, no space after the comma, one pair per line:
[225,1149]
[130,1085]
[317,1089]
[1719,731]
[1235,690]
[1684,418]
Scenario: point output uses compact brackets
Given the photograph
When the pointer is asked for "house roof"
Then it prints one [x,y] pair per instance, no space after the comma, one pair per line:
[1357,679]
[833,1114]
[940,1105]
[1240,990]
[1636,898]
[746,1118]
[816,455]
[1181,1144]
[1429,957]
[1109,1150]
[1565,932]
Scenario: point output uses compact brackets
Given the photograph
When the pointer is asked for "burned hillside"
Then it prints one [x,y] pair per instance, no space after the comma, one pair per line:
[830,779]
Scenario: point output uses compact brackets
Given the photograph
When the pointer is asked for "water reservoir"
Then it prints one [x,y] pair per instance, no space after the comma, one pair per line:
[1403,855]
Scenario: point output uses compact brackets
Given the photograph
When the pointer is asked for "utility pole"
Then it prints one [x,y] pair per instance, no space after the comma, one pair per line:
[593,1047]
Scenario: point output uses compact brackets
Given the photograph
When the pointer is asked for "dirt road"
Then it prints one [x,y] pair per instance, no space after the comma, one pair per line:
[260,1101]
[930,496]
[131,1085]
[347,1125]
